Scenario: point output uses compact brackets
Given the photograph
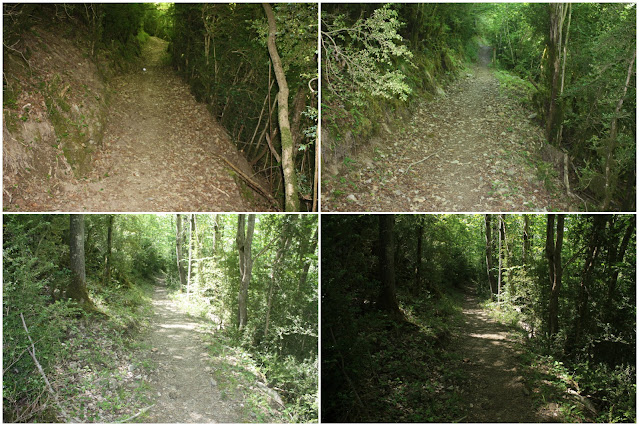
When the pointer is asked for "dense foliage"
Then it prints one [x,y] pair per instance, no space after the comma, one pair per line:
[378,367]
[377,57]
[36,275]
[282,326]
[573,65]
[220,49]
[125,255]
[596,104]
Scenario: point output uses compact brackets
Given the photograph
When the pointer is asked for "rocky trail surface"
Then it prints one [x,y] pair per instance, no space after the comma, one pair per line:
[182,384]
[162,151]
[473,148]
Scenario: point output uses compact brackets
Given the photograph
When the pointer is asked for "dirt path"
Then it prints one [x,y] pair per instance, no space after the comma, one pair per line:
[182,383]
[161,150]
[470,149]
[497,392]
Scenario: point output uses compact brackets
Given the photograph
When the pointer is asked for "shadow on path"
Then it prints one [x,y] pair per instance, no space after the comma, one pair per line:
[183,385]
[162,150]
[497,392]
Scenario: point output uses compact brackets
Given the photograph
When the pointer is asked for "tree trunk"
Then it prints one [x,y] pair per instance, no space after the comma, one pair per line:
[285,240]
[616,257]
[500,257]
[610,175]
[418,255]
[306,264]
[292,202]
[527,241]
[554,112]
[489,254]
[77,289]
[189,266]
[244,240]
[216,233]
[387,297]
[592,252]
[178,249]
[107,256]
[553,254]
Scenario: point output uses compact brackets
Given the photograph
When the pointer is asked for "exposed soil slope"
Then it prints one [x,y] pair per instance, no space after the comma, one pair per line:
[470,149]
[183,385]
[162,151]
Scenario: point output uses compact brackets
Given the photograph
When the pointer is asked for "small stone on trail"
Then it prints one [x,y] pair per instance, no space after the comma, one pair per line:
[351,197]
[154,349]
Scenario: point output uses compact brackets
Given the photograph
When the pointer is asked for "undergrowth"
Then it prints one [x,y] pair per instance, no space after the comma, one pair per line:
[583,391]
[266,375]
[84,356]
[403,373]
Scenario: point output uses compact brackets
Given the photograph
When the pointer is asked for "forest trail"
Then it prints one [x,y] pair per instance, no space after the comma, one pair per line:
[162,150]
[497,392]
[470,149]
[182,384]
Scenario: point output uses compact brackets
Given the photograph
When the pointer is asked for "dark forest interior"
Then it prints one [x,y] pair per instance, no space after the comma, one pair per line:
[478,318]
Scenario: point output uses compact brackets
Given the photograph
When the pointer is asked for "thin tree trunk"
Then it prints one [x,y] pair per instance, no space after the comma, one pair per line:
[275,269]
[107,257]
[189,270]
[610,177]
[489,253]
[288,160]
[178,249]
[527,241]
[418,255]
[387,297]
[306,264]
[581,320]
[500,256]
[244,240]
[553,254]
[617,255]
[553,120]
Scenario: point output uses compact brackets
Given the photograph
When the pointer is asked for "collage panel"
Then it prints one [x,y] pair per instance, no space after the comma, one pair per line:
[160,107]
[478,107]
[478,318]
[160,318]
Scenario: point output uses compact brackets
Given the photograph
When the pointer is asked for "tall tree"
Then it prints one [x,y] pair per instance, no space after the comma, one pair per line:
[500,254]
[190,261]
[527,239]
[418,254]
[244,239]
[556,42]
[292,202]
[489,254]
[77,289]
[611,144]
[592,253]
[387,296]
[553,254]
[179,239]
[285,240]
[107,256]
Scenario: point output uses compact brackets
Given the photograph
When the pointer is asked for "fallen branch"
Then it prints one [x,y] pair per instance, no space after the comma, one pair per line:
[254,185]
[142,411]
[44,376]
[223,192]
[420,161]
